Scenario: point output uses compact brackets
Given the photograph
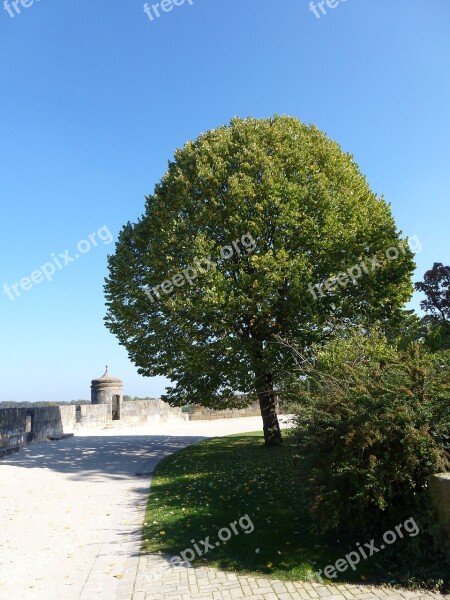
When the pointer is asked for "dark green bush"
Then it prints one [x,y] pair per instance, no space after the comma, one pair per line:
[373,423]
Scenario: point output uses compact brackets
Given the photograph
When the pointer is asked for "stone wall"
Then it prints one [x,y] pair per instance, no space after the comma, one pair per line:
[439,486]
[21,426]
[13,425]
[51,420]
[139,412]
[68,419]
[197,412]
[92,416]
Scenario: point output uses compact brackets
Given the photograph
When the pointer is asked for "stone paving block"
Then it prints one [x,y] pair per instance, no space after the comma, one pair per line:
[211,583]
[228,585]
[351,588]
[147,587]
[271,596]
[323,592]
[379,592]
[265,590]
[193,591]
[279,587]
[391,595]
[171,589]
[125,595]
[202,575]
[298,595]
[91,589]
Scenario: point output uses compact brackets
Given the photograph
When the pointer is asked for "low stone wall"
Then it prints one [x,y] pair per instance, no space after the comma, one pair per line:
[13,424]
[199,413]
[92,416]
[68,418]
[21,426]
[439,486]
[139,412]
[51,420]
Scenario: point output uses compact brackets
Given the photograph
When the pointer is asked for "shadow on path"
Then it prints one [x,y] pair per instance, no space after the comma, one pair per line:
[98,457]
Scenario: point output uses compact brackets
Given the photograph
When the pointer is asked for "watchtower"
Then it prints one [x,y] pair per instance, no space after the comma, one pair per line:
[108,390]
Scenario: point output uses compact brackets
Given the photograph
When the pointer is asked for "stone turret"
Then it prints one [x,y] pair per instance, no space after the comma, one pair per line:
[108,390]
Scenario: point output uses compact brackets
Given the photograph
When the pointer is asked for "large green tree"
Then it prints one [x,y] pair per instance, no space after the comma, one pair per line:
[299,212]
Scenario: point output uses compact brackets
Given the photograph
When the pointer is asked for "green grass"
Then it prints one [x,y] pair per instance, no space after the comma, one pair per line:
[203,488]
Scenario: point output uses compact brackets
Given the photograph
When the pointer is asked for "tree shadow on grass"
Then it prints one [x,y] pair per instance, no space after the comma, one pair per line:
[201,491]
[206,489]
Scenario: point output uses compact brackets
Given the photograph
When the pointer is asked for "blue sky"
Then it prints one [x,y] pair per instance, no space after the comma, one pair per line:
[95,98]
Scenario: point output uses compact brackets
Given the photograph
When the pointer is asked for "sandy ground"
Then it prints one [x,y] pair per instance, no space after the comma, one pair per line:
[70,505]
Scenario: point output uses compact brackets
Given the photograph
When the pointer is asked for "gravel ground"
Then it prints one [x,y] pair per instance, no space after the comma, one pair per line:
[65,506]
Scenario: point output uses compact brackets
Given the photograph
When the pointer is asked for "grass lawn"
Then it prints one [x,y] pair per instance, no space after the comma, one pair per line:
[202,489]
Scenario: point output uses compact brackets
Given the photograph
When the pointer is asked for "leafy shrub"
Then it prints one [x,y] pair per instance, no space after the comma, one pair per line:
[373,423]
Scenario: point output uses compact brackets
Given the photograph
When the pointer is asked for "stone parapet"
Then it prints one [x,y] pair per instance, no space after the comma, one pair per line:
[439,486]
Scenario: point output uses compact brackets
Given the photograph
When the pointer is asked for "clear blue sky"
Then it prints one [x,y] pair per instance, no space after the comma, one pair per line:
[95,98]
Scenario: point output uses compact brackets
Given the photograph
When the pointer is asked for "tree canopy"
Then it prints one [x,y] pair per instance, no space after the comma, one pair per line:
[436,287]
[270,214]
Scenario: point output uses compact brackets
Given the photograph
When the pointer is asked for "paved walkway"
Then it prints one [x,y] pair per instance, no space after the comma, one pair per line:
[71,515]
[210,584]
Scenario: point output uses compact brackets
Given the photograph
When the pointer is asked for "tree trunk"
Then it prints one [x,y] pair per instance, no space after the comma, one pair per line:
[266,396]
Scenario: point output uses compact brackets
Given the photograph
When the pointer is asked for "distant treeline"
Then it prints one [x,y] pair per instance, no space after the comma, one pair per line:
[7,404]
